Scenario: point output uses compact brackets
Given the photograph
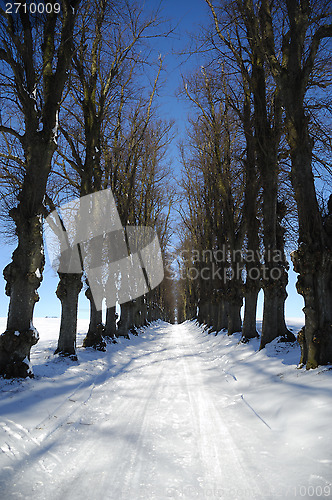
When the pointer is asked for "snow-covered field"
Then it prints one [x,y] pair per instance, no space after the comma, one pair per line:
[173,413]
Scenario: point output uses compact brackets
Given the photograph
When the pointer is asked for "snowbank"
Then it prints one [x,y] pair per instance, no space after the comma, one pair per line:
[173,413]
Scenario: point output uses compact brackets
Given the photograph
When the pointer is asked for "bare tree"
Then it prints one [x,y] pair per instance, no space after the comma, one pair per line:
[303,45]
[36,59]
[97,103]
[216,137]
[261,118]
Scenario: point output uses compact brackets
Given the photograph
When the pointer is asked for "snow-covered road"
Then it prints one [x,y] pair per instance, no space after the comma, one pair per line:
[158,418]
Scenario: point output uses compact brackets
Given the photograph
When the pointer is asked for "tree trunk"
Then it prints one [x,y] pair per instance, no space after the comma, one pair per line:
[267,161]
[144,315]
[234,293]
[283,267]
[24,273]
[249,330]
[141,312]
[154,312]
[283,331]
[94,337]
[67,292]
[23,276]
[314,285]
[215,316]
[313,259]
[222,315]
[275,295]
[234,317]
[135,316]
[274,286]
[125,319]
[270,315]
[209,315]
[110,326]
[149,312]
[203,312]
[253,284]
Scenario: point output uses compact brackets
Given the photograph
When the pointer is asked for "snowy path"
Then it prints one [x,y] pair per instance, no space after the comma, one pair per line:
[153,422]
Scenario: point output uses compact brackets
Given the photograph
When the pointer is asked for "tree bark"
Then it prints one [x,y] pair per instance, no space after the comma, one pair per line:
[313,259]
[209,315]
[315,274]
[222,315]
[110,326]
[67,292]
[23,276]
[135,316]
[202,312]
[249,330]
[234,323]
[94,337]
[234,294]
[215,315]
[267,140]
[283,331]
[253,283]
[144,311]
[124,324]
[283,267]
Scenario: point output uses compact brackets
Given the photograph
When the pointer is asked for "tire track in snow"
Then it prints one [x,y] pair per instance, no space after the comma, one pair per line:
[154,425]
[25,446]
[130,427]
[220,456]
[52,422]
[134,468]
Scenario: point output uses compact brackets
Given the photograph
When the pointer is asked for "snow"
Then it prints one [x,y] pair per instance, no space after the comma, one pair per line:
[33,96]
[172,413]
[56,127]
[29,365]
[35,331]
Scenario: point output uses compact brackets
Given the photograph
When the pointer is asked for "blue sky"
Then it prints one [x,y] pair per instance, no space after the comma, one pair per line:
[186,16]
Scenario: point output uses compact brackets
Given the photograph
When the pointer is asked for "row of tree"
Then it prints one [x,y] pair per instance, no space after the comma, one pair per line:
[78,117]
[260,130]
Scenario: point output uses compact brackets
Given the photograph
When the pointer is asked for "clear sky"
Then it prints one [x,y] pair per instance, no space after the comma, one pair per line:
[186,16]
